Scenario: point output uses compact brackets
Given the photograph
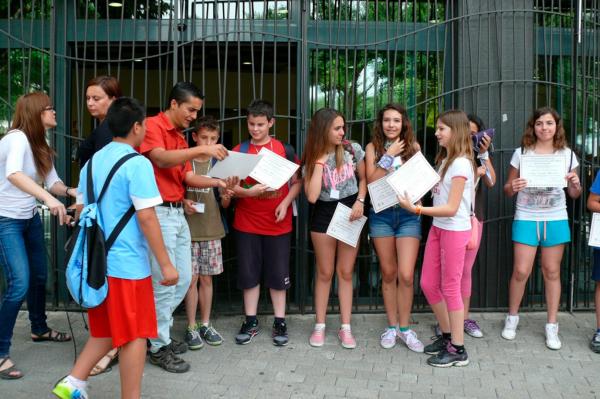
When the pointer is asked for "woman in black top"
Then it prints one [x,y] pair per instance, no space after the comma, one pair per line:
[100,92]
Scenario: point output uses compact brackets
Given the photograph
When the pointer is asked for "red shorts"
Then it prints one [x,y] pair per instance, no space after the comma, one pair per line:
[127,313]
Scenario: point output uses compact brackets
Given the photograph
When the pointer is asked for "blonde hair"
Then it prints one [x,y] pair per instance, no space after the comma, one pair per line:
[459,144]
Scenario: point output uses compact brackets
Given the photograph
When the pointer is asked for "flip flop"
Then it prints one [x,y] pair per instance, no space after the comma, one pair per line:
[98,369]
[53,335]
[8,374]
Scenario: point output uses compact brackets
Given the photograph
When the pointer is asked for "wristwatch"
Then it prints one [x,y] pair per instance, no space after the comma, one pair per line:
[361,200]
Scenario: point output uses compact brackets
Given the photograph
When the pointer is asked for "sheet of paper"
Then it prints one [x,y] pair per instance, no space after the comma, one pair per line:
[416,177]
[382,195]
[342,228]
[544,170]
[594,240]
[236,164]
[273,170]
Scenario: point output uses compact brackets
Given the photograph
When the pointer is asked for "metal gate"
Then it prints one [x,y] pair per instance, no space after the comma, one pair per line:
[499,59]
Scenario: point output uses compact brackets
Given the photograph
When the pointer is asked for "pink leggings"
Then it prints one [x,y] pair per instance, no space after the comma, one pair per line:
[444,266]
[470,256]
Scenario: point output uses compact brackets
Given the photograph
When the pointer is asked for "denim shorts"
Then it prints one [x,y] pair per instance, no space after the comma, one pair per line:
[541,233]
[394,222]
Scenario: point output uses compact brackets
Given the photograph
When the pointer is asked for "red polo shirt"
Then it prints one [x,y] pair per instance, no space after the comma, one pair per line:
[160,133]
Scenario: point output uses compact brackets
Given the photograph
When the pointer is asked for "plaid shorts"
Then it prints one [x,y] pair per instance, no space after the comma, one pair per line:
[207,257]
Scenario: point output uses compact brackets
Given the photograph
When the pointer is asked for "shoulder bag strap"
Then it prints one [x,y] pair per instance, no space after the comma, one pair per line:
[113,171]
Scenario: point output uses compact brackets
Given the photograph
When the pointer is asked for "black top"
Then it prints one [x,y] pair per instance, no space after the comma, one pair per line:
[480,199]
[100,137]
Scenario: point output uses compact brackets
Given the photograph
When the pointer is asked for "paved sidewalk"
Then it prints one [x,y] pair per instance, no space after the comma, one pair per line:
[523,368]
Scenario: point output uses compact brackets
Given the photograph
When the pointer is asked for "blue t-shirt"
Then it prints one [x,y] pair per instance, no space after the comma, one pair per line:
[596,185]
[595,189]
[134,183]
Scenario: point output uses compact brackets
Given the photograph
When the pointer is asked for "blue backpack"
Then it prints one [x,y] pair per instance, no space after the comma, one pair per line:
[87,249]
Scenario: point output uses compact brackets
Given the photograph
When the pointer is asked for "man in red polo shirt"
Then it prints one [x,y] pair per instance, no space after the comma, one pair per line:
[166,147]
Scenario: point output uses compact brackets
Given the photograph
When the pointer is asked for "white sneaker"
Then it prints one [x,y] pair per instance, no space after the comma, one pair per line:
[510,327]
[411,341]
[552,340]
[388,338]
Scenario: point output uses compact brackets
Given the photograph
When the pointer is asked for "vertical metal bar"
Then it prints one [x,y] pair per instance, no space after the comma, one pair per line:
[574,114]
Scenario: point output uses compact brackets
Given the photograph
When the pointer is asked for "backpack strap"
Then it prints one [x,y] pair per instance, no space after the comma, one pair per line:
[90,184]
[113,171]
[90,189]
[119,227]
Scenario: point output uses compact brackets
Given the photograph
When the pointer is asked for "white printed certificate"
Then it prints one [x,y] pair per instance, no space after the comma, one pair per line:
[235,164]
[416,177]
[342,228]
[544,170]
[594,240]
[273,170]
[382,195]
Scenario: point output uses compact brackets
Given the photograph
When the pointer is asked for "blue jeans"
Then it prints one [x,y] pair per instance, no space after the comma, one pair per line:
[23,260]
[176,235]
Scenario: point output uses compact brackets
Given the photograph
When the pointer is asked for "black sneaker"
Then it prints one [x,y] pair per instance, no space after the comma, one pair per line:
[247,332]
[178,347]
[166,359]
[449,357]
[436,346]
[279,334]
[595,343]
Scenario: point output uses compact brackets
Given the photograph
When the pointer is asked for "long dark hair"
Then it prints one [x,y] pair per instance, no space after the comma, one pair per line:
[406,133]
[28,118]
[529,138]
[317,139]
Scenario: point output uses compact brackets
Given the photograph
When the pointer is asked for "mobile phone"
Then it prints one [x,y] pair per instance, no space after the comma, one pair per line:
[479,135]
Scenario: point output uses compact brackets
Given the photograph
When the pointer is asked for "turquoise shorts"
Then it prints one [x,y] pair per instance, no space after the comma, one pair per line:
[541,233]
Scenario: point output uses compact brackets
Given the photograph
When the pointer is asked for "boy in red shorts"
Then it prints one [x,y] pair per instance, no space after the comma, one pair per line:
[126,318]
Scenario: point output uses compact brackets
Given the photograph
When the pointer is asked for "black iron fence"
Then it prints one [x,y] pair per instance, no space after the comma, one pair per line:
[499,59]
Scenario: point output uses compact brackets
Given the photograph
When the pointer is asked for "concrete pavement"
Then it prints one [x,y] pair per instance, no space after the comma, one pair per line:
[524,368]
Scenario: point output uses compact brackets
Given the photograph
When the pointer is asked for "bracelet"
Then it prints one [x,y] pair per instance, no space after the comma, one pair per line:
[67,191]
[418,209]
[361,200]
[386,161]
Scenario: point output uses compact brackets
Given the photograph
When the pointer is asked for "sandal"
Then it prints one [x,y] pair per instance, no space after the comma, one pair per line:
[112,360]
[51,335]
[11,373]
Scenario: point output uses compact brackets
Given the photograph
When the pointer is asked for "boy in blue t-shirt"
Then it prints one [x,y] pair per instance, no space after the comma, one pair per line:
[126,318]
[593,205]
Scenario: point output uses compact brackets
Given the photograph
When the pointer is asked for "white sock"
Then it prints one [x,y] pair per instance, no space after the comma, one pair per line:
[206,324]
[77,383]
[345,327]
[319,326]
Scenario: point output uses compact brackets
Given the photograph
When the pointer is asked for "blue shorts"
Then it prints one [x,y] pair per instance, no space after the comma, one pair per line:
[394,222]
[596,268]
[542,233]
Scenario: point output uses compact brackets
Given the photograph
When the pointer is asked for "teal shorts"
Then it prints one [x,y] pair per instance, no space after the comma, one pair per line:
[545,234]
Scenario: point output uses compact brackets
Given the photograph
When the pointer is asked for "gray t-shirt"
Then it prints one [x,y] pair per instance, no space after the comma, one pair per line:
[343,179]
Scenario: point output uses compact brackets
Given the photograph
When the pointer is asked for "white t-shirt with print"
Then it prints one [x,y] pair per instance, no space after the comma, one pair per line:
[16,156]
[542,204]
[460,168]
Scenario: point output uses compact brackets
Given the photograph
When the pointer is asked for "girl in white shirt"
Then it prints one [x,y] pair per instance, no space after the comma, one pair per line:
[540,219]
[25,160]
[448,237]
